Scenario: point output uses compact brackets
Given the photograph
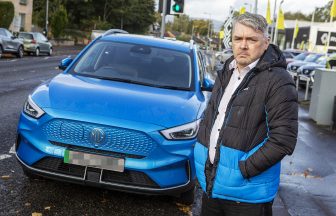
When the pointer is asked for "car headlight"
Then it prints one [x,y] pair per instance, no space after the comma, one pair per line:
[31,109]
[182,132]
[306,71]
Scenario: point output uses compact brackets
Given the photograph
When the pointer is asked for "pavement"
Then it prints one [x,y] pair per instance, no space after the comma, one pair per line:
[308,177]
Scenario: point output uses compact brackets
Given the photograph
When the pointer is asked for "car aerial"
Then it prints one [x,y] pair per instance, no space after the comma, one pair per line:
[310,58]
[123,115]
[35,43]
[10,44]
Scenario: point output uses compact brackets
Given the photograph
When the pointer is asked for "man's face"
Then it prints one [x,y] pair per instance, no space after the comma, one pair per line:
[247,44]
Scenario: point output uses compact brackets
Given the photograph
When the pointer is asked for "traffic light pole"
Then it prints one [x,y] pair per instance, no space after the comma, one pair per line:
[163,24]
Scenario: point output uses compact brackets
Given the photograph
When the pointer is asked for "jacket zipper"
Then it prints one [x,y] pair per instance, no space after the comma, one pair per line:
[213,171]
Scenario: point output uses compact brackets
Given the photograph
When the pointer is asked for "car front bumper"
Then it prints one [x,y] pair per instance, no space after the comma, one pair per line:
[168,169]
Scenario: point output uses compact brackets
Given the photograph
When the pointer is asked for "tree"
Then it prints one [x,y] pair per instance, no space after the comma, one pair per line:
[6,14]
[59,21]
[296,15]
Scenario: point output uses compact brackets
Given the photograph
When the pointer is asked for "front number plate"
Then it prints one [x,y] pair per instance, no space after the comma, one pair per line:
[92,160]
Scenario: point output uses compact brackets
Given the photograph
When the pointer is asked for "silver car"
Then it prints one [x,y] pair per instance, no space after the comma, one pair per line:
[10,44]
[35,43]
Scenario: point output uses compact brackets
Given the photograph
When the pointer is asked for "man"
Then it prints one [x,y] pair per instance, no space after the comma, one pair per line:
[250,124]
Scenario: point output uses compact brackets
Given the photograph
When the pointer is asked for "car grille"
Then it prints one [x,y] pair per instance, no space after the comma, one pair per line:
[96,151]
[128,177]
[116,139]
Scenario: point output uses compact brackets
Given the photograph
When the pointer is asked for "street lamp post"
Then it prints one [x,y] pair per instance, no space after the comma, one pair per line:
[46,18]
[163,23]
[209,25]
[250,6]
[256,6]
[274,20]
[276,25]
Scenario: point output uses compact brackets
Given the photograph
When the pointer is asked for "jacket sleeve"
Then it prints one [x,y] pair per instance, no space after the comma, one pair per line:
[281,109]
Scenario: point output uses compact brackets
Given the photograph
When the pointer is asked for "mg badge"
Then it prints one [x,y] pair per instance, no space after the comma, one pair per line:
[97,136]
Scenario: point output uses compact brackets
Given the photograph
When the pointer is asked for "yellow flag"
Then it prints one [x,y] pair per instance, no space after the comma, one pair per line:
[221,34]
[281,20]
[333,9]
[242,10]
[268,13]
[296,30]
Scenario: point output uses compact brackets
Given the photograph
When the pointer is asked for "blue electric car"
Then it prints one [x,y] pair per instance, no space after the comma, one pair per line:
[123,115]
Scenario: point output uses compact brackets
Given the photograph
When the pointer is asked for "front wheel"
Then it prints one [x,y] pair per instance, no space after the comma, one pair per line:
[187,197]
[20,52]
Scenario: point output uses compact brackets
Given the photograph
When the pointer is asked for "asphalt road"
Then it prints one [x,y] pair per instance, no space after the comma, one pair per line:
[308,177]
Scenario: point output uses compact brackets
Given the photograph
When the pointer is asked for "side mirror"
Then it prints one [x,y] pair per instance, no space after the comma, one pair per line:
[207,84]
[65,63]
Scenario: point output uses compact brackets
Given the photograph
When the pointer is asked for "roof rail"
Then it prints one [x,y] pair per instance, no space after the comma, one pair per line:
[114,31]
[192,43]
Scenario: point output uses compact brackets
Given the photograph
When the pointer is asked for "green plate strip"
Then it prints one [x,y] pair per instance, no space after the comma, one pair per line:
[66,156]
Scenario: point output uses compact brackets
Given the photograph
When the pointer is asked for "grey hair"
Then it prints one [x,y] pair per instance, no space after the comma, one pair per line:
[255,21]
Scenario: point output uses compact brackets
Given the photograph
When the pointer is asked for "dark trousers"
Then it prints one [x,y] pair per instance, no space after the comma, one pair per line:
[219,207]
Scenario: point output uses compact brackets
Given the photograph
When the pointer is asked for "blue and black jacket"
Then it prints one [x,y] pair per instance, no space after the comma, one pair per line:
[260,128]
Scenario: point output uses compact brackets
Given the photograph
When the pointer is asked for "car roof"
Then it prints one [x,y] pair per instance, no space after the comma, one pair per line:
[149,41]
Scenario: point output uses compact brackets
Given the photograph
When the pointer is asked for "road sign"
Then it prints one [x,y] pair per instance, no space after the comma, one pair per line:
[228,30]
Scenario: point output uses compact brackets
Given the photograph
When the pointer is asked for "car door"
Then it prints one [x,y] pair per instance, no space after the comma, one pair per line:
[5,40]
[44,46]
[13,43]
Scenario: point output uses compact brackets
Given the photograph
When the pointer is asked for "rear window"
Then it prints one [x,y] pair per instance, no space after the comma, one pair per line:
[136,63]
[26,36]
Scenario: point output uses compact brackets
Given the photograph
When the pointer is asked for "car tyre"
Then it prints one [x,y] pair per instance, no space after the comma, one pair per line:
[20,52]
[50,51]
[37,52]
[0,51]
[187,197]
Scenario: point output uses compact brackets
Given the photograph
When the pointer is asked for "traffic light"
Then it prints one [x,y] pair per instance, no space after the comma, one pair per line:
[167,8]
[178,6]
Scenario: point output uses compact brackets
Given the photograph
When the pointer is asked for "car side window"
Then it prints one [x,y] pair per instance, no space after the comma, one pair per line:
[2,32]
[8,34]
[42,38]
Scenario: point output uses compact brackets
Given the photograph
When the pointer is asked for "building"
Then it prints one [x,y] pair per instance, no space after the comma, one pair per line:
[23,10]
[312,36]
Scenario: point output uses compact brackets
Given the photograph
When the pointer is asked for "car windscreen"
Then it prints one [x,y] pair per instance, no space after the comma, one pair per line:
[26,36]
[322,60]
[301,56]
[136,63]
[312,58]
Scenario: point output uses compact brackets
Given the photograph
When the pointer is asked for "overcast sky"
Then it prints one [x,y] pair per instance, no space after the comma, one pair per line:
[219,8]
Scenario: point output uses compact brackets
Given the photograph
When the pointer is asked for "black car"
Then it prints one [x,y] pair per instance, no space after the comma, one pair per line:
[10,43]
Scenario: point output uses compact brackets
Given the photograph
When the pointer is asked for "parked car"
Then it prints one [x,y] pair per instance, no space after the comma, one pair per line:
[308,70]
[10,44]
[35,43]
[222,56]
[310,58]
[299,57]
[123,115]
